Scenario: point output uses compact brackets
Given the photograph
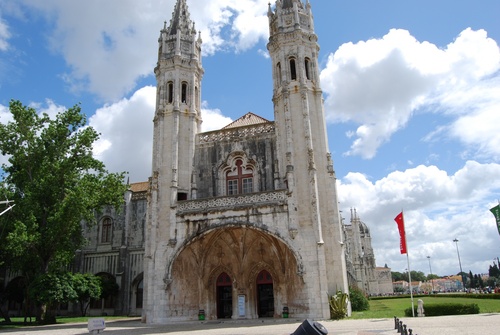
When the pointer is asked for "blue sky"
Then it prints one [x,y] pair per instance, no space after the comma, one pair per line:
[412,98]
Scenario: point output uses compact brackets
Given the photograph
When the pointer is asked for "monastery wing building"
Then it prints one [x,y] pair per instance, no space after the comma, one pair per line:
[242,222]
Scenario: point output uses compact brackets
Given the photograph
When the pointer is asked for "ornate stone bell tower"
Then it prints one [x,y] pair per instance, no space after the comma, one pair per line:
[177,120]
[304,159]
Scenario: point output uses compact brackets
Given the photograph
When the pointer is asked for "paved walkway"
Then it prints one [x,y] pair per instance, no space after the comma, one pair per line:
[480,324]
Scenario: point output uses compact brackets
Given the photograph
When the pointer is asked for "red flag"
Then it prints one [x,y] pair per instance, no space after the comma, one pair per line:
[402,236]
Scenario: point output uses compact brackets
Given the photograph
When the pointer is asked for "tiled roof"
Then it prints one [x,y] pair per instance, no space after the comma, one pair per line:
[139,187]
[248,119]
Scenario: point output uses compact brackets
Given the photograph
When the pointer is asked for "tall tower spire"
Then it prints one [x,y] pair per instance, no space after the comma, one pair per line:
[305,165]
[178,102]
[181,20]
[177,120]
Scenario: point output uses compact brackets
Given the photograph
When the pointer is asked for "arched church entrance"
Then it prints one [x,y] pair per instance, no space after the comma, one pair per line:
[224,296]
[265,295]
[238,272]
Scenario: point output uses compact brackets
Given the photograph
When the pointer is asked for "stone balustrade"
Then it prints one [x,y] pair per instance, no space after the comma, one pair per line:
[235,201]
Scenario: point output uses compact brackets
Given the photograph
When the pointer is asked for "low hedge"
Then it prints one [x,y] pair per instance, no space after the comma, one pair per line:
[469,296]
[446,309]
[440,295]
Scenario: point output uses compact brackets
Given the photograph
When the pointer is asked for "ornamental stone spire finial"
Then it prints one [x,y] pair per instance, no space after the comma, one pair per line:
[181,20]
[289,4]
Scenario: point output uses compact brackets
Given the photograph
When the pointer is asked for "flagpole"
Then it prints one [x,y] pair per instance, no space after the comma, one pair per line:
[409,270]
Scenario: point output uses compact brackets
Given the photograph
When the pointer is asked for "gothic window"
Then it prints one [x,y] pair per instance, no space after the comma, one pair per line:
[278,73]
[184,87]
[106,230]
[232,186]
[181,195]
[307,65]
[197,97]
[264,277]
[293,69]
[170,92]
[247,185]
[239,179]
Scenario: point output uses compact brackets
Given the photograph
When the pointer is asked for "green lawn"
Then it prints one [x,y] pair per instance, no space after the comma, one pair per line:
[390,307]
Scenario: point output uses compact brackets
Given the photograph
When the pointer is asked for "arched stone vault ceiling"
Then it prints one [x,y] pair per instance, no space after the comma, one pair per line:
[240,251]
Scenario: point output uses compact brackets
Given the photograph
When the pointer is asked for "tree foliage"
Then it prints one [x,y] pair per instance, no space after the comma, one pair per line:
[56,184]
[109,287]
[87,286]
[415,276]
[494,271]
[396,276]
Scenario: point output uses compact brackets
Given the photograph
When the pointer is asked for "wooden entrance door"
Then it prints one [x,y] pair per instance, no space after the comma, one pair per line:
[224,296]
[265,294]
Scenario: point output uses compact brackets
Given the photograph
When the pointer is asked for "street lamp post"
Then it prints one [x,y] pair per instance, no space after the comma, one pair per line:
[460,263]
[430,273]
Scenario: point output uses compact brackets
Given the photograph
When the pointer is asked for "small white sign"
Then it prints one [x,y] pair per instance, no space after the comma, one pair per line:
[96,324]
[241,306]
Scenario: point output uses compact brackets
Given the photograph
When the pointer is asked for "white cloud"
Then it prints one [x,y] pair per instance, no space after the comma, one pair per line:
[110,45]
[5,117]
[436,206]
[477,114]
[126,129]
[49,107]
[213,119]
[4,35]
[380,83]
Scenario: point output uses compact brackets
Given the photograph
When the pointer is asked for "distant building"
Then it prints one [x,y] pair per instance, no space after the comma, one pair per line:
[360,260]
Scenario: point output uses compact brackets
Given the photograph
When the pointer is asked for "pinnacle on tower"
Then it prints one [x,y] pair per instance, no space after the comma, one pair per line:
[289,4]
[181,20]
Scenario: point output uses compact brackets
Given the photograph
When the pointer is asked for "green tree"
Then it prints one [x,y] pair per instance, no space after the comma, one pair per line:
[87,286]
[480,281]
[56,184]
[51,289]
[494,271]
[472,282]
[109,287]
[398,276]
[432,276]
[415,276]
[477,284]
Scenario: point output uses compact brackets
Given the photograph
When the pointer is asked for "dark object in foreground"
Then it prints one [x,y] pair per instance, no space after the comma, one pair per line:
[309,327]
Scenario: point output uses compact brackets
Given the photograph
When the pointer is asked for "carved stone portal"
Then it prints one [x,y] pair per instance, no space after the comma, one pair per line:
[242,253]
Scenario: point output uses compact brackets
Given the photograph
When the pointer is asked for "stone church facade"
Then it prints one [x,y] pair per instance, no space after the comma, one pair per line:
[242,222]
